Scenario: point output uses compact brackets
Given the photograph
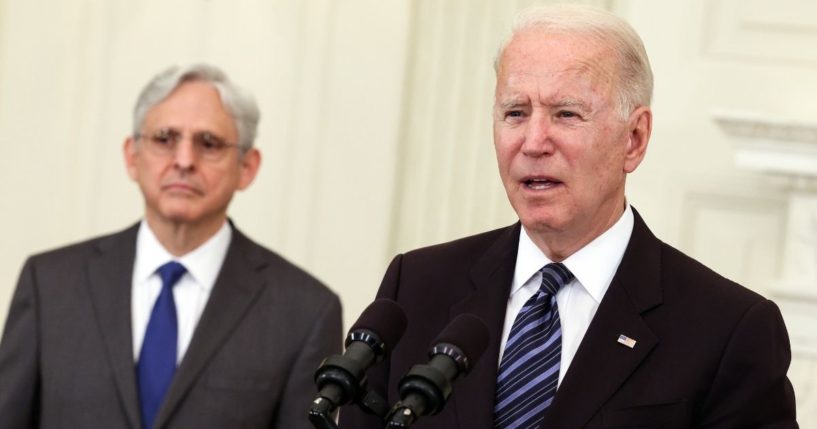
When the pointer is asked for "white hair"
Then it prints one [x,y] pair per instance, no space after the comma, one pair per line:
[635,83]
[240,104]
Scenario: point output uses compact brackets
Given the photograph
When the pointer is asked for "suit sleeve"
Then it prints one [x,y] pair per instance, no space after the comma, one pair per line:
[19,374]
[324,339]
[351,416]
[750,388]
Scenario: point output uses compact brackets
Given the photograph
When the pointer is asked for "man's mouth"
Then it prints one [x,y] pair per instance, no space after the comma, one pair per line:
[540,183]
[180,187]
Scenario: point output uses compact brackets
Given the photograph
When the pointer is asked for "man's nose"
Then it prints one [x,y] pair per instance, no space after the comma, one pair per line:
[538,136]
[185,154]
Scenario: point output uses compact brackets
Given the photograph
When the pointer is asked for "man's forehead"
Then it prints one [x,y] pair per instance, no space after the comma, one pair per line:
[556,68]
[195,105]
[536,50]
[577,72]
[575,85]
[193,93]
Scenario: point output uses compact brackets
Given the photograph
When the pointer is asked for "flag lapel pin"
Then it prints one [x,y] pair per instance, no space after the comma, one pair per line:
[627,341]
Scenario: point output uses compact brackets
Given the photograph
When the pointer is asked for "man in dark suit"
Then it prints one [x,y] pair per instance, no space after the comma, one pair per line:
[179,321]
[593,321]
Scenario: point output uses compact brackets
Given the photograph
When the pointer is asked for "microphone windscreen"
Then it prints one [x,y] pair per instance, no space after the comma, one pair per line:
[385,318]
[469,333]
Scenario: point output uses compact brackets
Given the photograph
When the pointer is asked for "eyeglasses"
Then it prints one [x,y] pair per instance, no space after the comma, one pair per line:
[206,145]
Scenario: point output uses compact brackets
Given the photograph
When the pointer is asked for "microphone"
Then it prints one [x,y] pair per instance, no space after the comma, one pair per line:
[425,389]
[341,378]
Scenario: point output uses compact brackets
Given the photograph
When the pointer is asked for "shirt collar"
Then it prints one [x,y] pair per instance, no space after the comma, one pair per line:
[594,265]
[202,263]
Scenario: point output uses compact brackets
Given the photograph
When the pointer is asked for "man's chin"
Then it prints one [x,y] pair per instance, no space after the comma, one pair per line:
[543,223]
[178,215]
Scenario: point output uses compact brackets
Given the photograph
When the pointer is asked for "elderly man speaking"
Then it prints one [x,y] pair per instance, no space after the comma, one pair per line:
[594,322]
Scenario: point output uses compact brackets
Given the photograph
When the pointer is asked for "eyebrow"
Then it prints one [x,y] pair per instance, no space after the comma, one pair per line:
[512,103]
[565,102]
[569,102]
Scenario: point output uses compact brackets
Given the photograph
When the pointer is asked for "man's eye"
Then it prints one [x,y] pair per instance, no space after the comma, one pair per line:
[162,139]
[514,114]
[165,137]
[210,143]
[567,114]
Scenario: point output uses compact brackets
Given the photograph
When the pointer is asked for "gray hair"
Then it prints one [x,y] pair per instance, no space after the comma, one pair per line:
[634,72]
[240,104]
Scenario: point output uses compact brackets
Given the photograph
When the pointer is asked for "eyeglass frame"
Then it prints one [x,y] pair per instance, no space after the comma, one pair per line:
[198,140]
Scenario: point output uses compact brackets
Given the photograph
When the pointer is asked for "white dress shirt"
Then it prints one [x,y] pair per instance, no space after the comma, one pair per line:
[190,293]
[593,267]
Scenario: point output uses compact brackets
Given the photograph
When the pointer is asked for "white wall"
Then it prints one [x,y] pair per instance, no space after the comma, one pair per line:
[375,128]
[328,77]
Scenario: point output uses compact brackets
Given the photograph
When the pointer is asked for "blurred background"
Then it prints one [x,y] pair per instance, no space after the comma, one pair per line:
[376,131]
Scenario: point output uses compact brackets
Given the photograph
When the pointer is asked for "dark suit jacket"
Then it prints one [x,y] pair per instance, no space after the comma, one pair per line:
[66,358]
[709,352]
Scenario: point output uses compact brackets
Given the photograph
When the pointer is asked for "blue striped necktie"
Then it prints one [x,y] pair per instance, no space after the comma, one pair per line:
[157,359]
[529,372]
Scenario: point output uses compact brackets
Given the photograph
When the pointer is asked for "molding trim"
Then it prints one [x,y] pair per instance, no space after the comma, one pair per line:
[782,147]
[754,126]
[755,224]
[761,30]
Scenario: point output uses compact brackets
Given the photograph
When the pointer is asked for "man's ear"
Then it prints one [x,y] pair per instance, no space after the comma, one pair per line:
[639,130]
[250,162]
[130,154]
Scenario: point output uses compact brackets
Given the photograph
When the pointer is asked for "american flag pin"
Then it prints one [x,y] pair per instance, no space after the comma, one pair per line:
[627,341]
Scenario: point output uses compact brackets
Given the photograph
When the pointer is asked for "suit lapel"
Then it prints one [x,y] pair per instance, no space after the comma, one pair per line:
[236,288]
[109,283]
[601,364]
[491,276]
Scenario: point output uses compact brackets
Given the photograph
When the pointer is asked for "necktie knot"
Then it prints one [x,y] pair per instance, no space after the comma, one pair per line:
[170,273]
[554,276]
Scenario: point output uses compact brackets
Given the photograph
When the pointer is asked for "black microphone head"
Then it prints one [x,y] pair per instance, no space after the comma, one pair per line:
[384,318]
[468,333]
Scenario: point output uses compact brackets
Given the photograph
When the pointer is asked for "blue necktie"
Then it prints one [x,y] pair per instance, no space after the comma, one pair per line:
[157,359]
[529,372]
